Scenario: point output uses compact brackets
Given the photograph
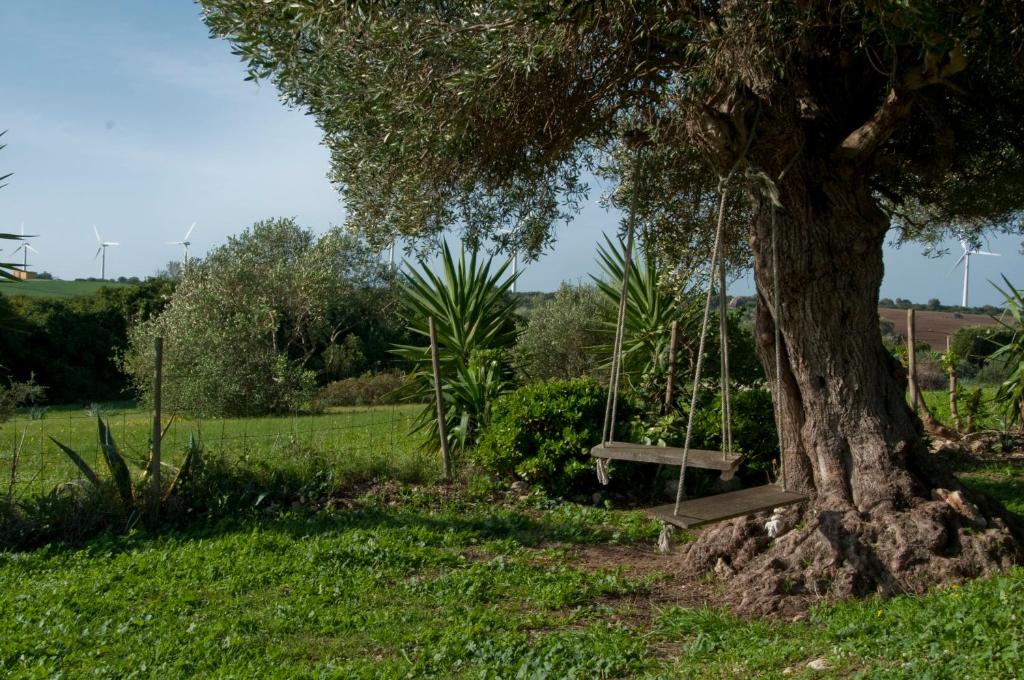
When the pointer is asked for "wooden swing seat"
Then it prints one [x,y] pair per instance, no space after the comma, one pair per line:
[724,506]
[725,463]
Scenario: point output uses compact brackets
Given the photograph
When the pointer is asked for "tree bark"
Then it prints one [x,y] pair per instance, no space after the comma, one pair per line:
[853,444]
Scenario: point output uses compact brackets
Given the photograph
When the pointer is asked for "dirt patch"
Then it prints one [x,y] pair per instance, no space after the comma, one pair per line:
[669,587]
[934,327]
[673,583]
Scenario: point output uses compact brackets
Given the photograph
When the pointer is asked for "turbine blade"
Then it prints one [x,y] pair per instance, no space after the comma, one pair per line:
[32,249]
[98,251]
[957,263]
[985,252]
[111,243]
[97,232]
[189,232]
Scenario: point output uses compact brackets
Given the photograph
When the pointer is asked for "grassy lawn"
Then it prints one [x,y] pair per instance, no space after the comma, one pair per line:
[352,438]
[41,288]
[451,589]
[419,582]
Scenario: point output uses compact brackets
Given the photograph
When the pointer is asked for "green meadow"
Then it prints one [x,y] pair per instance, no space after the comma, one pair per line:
[40,288]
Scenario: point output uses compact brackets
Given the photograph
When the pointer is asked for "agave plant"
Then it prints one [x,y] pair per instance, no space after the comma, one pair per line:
[1009,397]
[127,490]
[473,319]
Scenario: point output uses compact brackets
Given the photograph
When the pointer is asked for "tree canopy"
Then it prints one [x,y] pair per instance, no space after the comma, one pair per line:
[249,328]
[491,114]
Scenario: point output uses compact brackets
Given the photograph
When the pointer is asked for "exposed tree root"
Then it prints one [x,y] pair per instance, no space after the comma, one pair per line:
[831,555]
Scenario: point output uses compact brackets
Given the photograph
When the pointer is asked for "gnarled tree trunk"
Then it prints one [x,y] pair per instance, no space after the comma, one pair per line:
[852,442]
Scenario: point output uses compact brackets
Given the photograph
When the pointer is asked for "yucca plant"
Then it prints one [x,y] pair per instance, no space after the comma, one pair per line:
[473,316]
[650,310]
[129,492]
[1009,399]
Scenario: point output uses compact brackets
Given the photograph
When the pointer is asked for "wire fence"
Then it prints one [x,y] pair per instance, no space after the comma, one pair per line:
[31,463]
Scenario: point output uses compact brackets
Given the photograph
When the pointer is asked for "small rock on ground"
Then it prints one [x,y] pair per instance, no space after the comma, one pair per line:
[821,664]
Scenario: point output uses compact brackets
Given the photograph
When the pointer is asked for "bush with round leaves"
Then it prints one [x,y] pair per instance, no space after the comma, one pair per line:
[542,433]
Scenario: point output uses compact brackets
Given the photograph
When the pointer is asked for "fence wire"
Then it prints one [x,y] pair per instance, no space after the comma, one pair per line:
[31,463]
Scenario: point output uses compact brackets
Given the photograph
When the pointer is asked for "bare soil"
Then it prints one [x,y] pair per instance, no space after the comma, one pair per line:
[934,327]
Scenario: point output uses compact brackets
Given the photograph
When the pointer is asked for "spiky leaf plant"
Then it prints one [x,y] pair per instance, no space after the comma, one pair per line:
[1009,399]
[650,309]
[120,473]
[473,314]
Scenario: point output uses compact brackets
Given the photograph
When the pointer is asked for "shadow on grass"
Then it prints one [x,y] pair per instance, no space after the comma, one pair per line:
[475,521]
[1007,490]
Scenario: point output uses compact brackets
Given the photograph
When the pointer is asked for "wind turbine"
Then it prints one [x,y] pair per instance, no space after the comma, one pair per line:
[24,248]
[966,259]
[102,250]
[184,242]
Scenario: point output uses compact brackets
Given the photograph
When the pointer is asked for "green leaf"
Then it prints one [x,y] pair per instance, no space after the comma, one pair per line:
[79,462]
[115,462]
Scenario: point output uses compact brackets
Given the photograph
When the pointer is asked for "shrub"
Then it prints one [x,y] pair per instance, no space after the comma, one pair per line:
[543,433]
[366,390]
[753,427]
[976,344]
[930,373]
[1009,397]
[247,328]
[69,345]
[559,339]
[17,394]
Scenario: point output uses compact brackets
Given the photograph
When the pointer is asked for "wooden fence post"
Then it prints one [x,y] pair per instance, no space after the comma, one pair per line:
[154,457]
[954,405]
[912,360]
[670,381]
[442,424]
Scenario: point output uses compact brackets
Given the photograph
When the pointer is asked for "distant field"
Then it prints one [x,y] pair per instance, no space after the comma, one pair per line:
[934,327]
[56,289]
[351,437]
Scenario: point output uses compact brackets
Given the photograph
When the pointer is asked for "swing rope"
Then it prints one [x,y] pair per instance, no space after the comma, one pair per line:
[723,331]
[776,321]
[723,194]
[620,331]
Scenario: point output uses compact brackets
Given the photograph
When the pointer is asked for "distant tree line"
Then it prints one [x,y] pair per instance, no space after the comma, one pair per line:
[255,327]
[69,345]
[934,305]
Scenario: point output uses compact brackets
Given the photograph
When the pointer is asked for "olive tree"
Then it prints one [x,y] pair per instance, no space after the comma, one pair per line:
[247,326]
[833,125]
[559,339]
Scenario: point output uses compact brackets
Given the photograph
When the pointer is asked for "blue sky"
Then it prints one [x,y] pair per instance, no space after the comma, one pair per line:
[125,114]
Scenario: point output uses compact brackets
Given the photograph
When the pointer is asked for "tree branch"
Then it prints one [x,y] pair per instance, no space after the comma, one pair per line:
[859,146]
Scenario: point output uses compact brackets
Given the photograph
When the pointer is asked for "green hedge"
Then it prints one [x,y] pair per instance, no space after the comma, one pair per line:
[542,433]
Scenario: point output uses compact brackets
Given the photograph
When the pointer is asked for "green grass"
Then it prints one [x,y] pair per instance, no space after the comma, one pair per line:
[352,439]
[409,585]
[41,288]
[424,581]
[938,404]
[1003,481]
